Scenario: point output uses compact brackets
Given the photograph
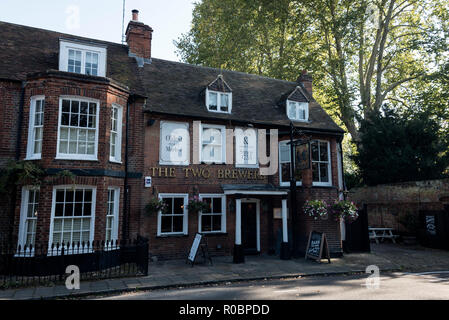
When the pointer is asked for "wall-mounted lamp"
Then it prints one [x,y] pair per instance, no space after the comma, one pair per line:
[151,122]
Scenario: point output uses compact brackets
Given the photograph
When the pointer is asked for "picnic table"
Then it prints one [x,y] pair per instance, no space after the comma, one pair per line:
[382,234]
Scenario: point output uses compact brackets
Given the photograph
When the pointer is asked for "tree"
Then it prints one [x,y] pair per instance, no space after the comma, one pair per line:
[399,148]
[363,54]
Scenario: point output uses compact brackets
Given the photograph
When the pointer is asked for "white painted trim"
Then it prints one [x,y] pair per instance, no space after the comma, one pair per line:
[219,93]
[329,168]
[168,163]
[257,202]
[63,156]
[255,192]
[64,47]
[117,158]
[223,212]
[223,142]
[285,183]
[298,108]
[92,216]
[30,142]
[238,222]
[114,231]
[23,216]
[185,213]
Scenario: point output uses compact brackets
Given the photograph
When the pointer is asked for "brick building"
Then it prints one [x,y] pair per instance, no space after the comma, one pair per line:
[132,128]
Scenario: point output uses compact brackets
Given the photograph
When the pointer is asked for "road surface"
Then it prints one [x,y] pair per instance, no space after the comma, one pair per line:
[430,285]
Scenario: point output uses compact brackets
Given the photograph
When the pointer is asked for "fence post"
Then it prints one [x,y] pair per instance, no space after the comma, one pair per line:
[142,254]
[62,271]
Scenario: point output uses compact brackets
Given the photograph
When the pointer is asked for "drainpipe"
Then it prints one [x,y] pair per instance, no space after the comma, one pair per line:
[125,228]
[17,157]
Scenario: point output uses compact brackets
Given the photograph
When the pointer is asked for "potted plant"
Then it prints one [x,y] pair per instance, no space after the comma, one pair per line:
[154,206]
[316,209]
[410,222]
[345,210]
[196,205]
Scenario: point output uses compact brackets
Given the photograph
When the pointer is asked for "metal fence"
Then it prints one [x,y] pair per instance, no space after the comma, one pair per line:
[47,264]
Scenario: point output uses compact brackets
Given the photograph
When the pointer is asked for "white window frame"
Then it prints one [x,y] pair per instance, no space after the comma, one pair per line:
[23,227]
[219,94]
[114,215]
[223,142]
[185,125]
[223,212]
[185,231]
[281,182]
[69,156]
[242,165]
[298,106]
[92,218]
[117,157]
[65,46]
[329,166]
[31,155]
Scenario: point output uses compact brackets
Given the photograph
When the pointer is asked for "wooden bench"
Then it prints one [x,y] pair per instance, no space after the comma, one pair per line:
[382,234]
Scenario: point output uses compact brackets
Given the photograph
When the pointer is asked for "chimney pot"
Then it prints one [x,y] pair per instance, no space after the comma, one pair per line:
[135,15]
[306,80]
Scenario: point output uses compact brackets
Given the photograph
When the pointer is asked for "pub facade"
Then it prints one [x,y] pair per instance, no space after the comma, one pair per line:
[134,129]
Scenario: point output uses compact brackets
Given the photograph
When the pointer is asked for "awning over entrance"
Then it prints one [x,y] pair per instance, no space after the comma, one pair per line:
[253,189]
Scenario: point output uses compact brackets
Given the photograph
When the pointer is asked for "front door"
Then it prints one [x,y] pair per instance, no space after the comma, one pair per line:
[249,227]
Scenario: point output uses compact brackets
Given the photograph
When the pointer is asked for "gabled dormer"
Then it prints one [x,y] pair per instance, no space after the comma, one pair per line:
[83,58]
[297,105]
[219,96]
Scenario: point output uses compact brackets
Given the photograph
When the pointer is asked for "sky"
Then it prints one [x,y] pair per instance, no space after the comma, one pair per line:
[102,19]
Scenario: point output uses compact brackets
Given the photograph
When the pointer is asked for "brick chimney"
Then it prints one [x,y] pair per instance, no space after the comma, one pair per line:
[306,80]
[138,37]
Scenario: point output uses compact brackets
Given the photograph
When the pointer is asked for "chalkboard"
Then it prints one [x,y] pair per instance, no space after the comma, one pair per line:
[194,248]
[315,246]
[197,243]
[430,225]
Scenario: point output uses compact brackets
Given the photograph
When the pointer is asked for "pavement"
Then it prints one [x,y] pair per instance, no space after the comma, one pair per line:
[175,273]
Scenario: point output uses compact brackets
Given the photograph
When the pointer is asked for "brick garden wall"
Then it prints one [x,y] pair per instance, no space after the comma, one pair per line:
[387,203]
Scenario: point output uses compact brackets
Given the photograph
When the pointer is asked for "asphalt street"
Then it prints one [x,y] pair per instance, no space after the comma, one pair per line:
[392,286]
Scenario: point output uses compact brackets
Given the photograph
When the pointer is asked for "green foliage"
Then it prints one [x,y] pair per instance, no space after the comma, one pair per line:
[19,173]
[398,148]
[196,205]
[154,206]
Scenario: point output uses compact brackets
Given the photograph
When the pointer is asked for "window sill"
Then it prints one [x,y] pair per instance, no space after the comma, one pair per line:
[75,158]
[173,164]
[115,161]
[214,234]
[177,235]
[33,158]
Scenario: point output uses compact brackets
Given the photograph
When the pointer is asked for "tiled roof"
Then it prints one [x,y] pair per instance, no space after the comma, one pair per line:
[171,87]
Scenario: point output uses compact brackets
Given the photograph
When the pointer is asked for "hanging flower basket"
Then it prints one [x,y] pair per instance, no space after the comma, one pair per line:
[316,209]
[345,210]
[196,205]
[154,206]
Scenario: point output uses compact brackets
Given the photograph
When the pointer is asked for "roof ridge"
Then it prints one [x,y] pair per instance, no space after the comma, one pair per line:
[220,70]
[62,34]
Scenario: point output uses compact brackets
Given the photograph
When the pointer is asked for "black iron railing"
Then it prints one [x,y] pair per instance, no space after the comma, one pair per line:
[46,264]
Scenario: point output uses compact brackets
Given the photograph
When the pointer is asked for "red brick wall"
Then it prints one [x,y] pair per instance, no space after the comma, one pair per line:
[177,246]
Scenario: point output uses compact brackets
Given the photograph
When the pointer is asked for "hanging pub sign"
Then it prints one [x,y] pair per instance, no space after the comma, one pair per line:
[302,157]
[174,148]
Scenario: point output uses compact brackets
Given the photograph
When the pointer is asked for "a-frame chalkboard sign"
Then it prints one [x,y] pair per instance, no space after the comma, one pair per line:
[317,246]
[199,243]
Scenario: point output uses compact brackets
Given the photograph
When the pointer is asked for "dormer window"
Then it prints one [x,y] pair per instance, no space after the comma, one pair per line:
[297,105]
[81,58]
[298,111]
[218,101]
[219,96]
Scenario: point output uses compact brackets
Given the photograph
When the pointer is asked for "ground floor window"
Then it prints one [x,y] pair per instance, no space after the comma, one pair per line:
[73,214]
[28,218]
[173,219]
[214,218]
[112,215]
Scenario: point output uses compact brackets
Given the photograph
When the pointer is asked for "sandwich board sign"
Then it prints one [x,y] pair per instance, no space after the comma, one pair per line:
[317,246]
[196,245]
